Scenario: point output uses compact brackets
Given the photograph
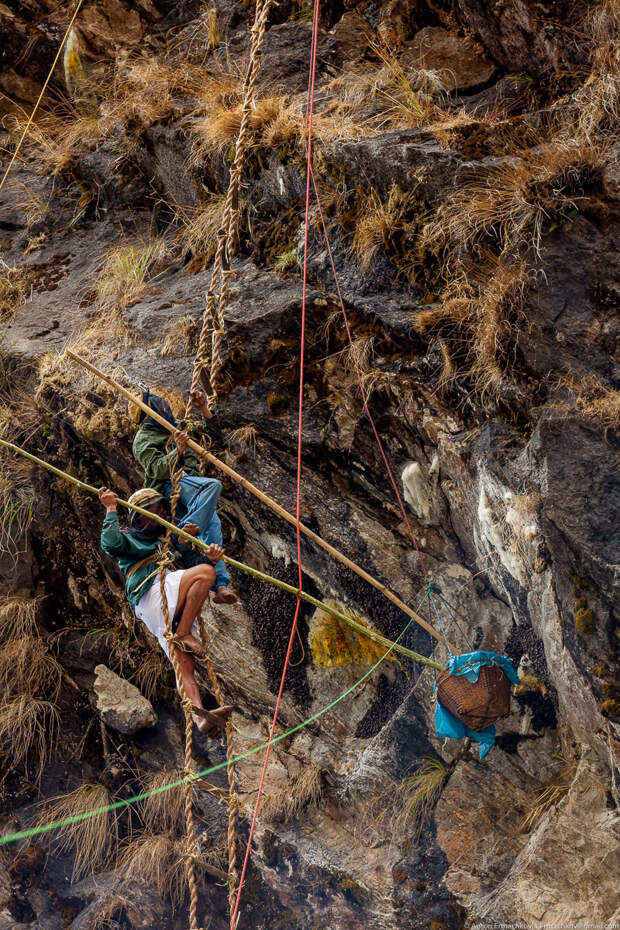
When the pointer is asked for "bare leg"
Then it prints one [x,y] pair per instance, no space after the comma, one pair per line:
[186,669]
[193,592]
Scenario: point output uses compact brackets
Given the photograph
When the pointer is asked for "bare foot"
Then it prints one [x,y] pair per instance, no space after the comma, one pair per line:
[193,645]
[203,725]
[224,711]
[225,595]
[212,722]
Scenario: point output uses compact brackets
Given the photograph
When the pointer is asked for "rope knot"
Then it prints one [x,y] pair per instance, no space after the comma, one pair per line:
[432,588]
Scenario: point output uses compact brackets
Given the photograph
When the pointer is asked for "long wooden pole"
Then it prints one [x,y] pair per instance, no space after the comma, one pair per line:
[241,566]
[199,450]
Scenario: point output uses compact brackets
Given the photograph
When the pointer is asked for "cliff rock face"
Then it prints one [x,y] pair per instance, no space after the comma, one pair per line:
[467,162]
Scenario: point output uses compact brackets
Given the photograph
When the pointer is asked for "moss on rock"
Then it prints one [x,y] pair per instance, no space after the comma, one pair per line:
[584,620]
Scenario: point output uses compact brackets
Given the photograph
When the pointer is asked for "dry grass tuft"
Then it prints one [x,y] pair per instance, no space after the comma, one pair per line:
[28,730]
[18,617]
[12,291]
[28,667]
[597,103]
[380,224]
[92,840]
[476,323]
[157,860]
[596,401]
[180,337]
[515,200]
[273,122]
[304,790]
[56,138]
[154,670]
[408,806]
[359,354]
[97,414]
[126,269]
[17,499]
[243,440]
[33,206]
[548,796]
[411,94]
[123,280]
[210,23]
[421,791]
[114,913]
[164,812]
[198,234]
[342,374]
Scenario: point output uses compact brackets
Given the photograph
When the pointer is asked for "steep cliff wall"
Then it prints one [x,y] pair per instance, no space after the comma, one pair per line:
[468,165]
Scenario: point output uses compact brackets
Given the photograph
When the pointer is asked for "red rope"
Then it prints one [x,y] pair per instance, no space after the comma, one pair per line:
[360,380]
[311,84]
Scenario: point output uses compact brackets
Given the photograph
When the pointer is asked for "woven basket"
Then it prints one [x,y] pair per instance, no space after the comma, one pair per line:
[476,704]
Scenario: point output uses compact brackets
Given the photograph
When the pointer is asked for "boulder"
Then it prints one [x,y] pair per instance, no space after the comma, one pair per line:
[536,38]
[120,704]
[110,24]
[459,61]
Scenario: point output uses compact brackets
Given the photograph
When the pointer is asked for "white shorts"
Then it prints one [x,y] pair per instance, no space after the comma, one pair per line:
[149,608]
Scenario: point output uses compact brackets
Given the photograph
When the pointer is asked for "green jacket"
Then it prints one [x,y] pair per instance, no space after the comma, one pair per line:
[128,550]
[149,449]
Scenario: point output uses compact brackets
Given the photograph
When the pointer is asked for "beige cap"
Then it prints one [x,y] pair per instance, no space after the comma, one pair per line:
[144,496]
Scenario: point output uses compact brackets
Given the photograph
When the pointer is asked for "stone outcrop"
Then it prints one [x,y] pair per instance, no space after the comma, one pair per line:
[120,703]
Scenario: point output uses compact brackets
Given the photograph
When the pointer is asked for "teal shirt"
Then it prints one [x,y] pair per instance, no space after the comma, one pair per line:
[149,449]
[128,550]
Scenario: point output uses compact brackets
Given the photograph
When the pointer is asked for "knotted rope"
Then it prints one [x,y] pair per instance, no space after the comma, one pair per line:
[208,355]
[192,847]
[233,798]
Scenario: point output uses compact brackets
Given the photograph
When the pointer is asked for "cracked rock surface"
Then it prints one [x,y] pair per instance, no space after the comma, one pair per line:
[513,496]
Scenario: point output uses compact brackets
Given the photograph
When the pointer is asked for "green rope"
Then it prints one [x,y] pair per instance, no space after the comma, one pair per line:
[116,805]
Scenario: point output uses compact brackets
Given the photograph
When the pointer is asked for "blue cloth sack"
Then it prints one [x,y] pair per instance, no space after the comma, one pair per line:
[469,665]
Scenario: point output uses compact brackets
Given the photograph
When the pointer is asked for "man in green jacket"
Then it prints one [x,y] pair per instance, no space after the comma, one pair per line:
[137,548]
[199,496]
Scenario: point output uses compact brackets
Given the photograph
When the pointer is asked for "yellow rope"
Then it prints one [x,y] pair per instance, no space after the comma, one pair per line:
[40,97]
[208,355]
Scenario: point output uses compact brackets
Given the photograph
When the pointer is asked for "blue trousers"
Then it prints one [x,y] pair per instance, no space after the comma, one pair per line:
[199,497]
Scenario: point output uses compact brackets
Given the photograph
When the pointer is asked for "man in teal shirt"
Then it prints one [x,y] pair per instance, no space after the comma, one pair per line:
[199,496]
[188,581]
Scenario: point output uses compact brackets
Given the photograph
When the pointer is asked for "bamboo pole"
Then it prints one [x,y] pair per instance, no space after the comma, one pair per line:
[199,450]
[240,566]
